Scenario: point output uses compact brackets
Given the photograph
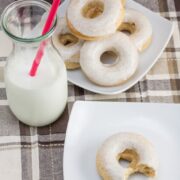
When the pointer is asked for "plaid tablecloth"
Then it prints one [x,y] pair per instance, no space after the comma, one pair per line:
[37,153]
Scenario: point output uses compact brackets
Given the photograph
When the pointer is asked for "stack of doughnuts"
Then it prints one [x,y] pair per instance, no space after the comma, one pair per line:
[94,27]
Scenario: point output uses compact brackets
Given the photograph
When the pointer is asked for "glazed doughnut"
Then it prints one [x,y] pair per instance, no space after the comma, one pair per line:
[139,27]
[126,146]
[121,70]
[94,19]
[67,44]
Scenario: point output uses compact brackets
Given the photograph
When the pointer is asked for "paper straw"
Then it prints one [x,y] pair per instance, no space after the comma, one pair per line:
[47,27]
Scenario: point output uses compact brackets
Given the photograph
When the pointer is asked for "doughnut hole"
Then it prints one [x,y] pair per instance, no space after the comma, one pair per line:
[68,39]
[124,163]
[127,28]
[109,58]
[93,9]
[128,157]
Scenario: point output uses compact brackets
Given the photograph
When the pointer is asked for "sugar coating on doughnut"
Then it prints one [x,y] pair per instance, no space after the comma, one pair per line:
[114,74]
[104,24]
[107,160]
[66,43]
[142,33]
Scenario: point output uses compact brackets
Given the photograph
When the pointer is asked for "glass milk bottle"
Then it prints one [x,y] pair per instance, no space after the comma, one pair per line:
[38,100]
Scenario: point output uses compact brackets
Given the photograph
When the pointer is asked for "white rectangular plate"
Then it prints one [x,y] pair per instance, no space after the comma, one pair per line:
[92,122]
[162,31]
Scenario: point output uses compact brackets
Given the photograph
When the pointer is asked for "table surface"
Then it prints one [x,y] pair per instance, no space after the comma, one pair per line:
[37,153]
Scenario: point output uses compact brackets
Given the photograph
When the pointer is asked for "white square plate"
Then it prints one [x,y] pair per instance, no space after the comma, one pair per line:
[92,122]
[162,31]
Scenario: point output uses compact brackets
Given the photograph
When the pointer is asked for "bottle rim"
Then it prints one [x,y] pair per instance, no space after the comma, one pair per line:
[21,3]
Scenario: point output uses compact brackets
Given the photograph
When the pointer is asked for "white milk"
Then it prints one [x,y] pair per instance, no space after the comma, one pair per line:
[39,100]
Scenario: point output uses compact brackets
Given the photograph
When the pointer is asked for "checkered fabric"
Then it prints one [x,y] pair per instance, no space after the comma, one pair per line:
[36,153]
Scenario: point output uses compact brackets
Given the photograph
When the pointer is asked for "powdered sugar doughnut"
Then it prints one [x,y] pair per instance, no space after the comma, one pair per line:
[126,146]
[94,19]
[67,44]
[109,74]
[139,27]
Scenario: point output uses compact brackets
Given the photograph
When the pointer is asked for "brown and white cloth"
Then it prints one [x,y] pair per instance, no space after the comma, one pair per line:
[37,153]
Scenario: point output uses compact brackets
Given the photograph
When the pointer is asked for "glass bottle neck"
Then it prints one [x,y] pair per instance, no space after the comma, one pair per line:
[20,45]
[23,21]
